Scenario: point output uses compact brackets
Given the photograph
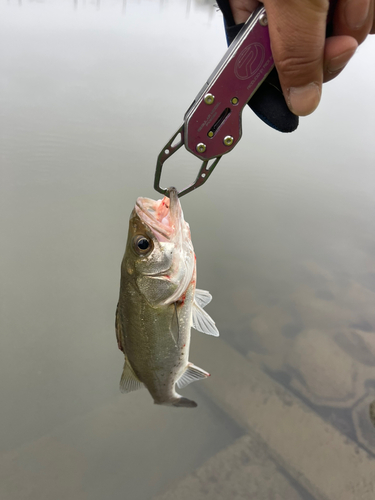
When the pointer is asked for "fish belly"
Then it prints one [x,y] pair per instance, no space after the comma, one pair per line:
[156,344]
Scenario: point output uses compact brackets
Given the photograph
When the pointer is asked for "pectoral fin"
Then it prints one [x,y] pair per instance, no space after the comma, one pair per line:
[129,381]
[118,330]
[202,322]
[175,327]
[191,374]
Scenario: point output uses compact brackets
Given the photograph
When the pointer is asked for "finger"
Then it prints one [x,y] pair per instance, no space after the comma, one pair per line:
[297,32]
[337,53]
[354,18]
[241,9]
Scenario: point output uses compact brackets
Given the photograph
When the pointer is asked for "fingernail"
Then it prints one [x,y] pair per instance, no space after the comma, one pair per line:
[356,13]
[340,61]
[304,100]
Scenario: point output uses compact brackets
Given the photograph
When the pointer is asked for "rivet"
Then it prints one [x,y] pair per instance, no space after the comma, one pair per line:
[228,140]
[263,19]
[209,98]
[201,148]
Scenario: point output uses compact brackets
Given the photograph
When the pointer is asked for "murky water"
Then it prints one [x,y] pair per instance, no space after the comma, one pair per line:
[284,236]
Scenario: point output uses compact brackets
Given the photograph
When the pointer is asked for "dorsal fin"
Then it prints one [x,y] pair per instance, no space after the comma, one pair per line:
[191,374]
[202,297]
[129,381]
[202,322]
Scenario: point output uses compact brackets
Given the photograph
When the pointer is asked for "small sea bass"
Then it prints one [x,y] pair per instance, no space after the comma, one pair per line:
[159,303]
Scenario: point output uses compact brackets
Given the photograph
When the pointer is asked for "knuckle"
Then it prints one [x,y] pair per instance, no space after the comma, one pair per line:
[299,67]
[319,5]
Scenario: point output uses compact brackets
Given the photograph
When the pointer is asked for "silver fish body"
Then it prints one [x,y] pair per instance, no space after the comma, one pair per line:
[159,303]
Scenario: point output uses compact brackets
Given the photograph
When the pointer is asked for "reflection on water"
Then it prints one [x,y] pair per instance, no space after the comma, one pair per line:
[120,5]
[283,231]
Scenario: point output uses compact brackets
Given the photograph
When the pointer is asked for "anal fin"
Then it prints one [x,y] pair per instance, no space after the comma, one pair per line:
[129,381]
[191,374]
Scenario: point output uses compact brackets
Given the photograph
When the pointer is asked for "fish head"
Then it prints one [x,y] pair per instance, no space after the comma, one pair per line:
[159,256]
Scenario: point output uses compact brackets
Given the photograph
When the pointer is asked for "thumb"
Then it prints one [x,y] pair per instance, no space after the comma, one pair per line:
[297,32]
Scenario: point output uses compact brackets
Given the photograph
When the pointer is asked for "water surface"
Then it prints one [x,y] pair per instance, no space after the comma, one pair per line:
[283,231]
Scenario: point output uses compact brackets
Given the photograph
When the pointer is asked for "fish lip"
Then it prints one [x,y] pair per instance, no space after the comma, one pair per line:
[148,218]
[143,206]
[175,211]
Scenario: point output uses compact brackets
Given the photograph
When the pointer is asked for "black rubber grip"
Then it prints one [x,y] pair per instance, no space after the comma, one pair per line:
[268,102]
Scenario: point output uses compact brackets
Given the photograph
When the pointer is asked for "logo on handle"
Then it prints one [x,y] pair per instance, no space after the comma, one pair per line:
[249,61]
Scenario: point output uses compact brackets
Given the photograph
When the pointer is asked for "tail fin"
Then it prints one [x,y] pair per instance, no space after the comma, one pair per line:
[185,403]
[178,401]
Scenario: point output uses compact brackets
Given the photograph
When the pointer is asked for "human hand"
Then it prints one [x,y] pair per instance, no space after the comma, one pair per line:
[304,57]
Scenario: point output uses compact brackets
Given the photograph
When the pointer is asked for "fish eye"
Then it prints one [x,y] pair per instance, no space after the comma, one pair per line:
[142,245]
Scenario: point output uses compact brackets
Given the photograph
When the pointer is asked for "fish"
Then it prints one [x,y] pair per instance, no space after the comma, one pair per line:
[159,303]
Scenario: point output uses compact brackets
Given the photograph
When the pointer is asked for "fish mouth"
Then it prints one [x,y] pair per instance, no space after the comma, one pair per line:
[164,217]
[165,220]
